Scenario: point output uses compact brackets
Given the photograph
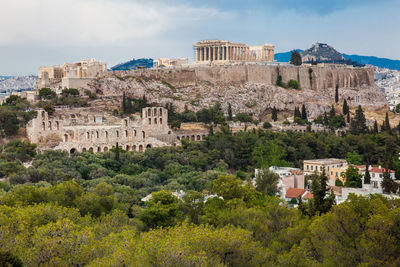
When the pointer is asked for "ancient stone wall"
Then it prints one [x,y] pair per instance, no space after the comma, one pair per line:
[96,132]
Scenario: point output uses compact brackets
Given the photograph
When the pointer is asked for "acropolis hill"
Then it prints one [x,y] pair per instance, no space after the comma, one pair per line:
[249,87]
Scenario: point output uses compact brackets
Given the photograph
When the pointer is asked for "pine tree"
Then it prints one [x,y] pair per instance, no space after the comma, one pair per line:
[274,114]
[358,123]
[345,107]
[367,176]
[376,131]
[332,112]
[388,185]
[303,112]
[230,116]
[337,94]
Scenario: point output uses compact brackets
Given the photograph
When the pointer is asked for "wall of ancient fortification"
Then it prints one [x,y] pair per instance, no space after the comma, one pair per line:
[309,77]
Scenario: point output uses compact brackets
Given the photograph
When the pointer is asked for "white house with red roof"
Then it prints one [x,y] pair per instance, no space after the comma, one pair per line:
[376,174]
[295,193]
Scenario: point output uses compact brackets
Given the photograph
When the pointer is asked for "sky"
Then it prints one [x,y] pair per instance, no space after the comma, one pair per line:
[37,33]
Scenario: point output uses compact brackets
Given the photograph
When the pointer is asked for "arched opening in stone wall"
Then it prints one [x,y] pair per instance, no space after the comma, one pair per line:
[149,112]
[192,138]
[83,149]
[126,133]
[134,132]
[97,134]
[148,146]
[105,149]
[106,134]
[117,134]
[155,120]
[87,135]
[160,120]
[44,126]
[65,137]
[91,150]
[72,151]
[160,111]
[134,147]
[98,149]
[155,112]
[126,123]
[169,132]
[178,137]
[198,138]
[50,126]
[140,148]
[43,114]
[149,120]
[127,148]
[57,125]
[143,134]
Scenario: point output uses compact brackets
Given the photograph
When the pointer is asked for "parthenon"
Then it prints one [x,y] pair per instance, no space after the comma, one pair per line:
[218,50]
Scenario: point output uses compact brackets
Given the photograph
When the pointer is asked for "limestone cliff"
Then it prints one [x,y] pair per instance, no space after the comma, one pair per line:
[249,88]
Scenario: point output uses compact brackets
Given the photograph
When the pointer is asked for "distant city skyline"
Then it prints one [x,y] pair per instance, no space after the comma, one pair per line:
[48,32]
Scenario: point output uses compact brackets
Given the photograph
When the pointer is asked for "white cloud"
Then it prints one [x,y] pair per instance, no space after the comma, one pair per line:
[93,22]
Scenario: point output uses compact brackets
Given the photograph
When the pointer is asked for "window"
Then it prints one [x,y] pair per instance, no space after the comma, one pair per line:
[149,120]
[117,134]
[87,135]
[126,133]
[155,120]
[160,120]
[307,167]
[312,167]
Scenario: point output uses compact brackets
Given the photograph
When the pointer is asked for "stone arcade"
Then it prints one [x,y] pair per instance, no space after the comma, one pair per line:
[90,131]
[220,51]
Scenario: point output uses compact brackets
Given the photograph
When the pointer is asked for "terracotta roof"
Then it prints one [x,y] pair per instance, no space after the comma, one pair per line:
[294,192]
[308,196]
[379,170]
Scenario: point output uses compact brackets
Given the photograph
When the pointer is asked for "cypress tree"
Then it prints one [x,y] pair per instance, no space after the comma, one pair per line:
[337,94]
[367,176]
[332,112]
[358,123]
[303,112]
[387,123]
[297,113]
[326,120]
[129,107]
[388,185]
[345,107]
[376,131]
[348,117]
[230,117]
[117,152]
[211,130]
[274,114]
[295,58]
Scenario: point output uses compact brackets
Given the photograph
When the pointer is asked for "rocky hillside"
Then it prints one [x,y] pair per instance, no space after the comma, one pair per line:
[248,88]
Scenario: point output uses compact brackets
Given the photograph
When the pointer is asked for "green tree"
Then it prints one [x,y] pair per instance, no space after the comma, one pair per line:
[274,114]
[348,117]
[353,178]
[353,158]
[269,154]
[46,93]
[332,112]
[387,128]
[321,202]
[192,205]
[376,131]
[303,112]
[326,120]
[345,107]
[388,185]
[161,210]
[295,58]
[397,108]
[230,116]
[229,187]
[367,176]
[267,125]
[124,105]
[267,182]
[337,94]
[358,123]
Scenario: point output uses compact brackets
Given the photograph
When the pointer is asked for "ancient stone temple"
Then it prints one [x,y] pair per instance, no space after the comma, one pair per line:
[95,132]
[220,51]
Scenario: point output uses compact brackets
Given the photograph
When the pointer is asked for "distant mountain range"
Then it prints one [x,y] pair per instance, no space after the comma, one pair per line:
[365,60]
[134,64]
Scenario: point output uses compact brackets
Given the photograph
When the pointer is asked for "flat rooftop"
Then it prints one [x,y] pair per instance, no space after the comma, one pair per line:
[324,161]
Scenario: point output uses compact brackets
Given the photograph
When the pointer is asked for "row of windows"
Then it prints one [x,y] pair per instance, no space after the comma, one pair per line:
[50,126]
[192,138]
[126,134]
[155,120]
[154,113]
